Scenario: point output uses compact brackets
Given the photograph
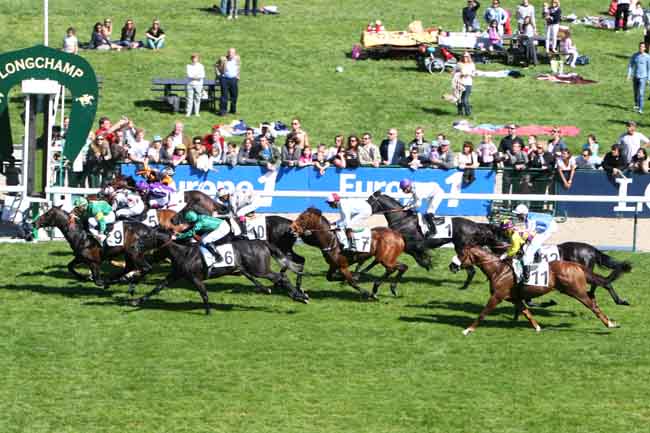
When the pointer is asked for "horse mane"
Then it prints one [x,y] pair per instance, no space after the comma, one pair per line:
[314,210]
[385,199]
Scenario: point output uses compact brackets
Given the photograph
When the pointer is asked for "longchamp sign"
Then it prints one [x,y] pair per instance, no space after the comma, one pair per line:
[361,180]
[599,183]
[72,71]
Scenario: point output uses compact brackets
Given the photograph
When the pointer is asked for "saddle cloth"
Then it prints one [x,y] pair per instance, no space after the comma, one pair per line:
[256,227]
[548,253]
[151,218]
[115,237]
[227,254]
[539,274]
[361,238]
[444,227]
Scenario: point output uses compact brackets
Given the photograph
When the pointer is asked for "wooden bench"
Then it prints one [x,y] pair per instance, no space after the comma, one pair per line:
[176,88]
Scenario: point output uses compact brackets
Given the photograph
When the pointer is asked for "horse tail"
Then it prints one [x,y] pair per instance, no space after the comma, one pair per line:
[618,268]
[283,260]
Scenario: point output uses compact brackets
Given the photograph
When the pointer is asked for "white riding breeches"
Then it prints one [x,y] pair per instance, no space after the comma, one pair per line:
[217,234]
[158,203]
[245,210]
[432,203]
[93,224]
[534,246]
[128,212]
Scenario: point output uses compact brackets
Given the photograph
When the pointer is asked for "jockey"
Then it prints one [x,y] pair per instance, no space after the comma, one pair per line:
[518,240]
[158,194]
[210,228]
[98,213]
[240,204]
[354,213]
[127,203]
[540,224]
[429,193]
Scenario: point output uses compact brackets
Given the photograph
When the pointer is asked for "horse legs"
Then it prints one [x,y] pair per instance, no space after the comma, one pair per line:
[494,300]
[259,288]
[96,274]
[470,276]
[521,308]
[166,282]
[612,292]
[350,279]
[591,303]
[401,269]
[73,271]
[198,283]
[374,263]
[378,282]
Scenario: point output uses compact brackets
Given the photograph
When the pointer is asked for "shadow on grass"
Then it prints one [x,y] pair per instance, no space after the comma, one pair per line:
[69,290]
[475,309]
[155,105]
[464,322]
[180,307]
[437,111]
[61,253]
[608,105]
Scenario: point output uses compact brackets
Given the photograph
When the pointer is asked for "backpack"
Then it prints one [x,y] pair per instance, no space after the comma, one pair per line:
[582,60]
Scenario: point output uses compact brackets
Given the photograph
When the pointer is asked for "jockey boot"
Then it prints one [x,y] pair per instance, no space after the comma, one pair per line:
[526,273]
[348,233]
[429,219]
[214,252]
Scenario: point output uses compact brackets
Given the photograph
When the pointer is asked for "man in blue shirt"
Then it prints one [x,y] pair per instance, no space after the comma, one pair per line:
[639,71]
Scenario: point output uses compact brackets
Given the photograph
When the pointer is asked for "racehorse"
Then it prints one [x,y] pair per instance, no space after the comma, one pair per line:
[137,240]
[252,258]
[464,232]
[386,246]
[570,278]
[278,229]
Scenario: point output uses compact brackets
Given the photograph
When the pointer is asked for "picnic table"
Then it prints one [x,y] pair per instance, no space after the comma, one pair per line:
[173,91]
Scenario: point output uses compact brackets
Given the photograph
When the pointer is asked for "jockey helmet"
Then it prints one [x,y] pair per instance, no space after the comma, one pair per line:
[191,216]
[507,225]
[108,191]
[405,184]
[168,171]
[142,186]
[521,209]
[333,198]
[80,202]
[223,192]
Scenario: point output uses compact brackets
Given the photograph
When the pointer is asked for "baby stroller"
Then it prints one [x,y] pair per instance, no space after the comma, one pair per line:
[439,59]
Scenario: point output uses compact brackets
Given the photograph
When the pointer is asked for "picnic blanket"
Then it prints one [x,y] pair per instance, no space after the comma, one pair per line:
[488,128]
[398,39]
[571,78]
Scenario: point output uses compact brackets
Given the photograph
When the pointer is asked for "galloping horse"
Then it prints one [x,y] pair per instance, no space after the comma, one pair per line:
[251,259]
[386,246]
[464,232]
[138,239]
[278,229]
[569,278]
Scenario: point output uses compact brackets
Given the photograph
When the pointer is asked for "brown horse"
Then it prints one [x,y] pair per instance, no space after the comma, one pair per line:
[570,278]
[385,247]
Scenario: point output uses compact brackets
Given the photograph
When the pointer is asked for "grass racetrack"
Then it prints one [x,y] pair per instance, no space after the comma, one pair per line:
[76,359]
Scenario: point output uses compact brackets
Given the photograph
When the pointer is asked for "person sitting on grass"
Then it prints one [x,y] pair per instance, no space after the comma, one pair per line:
[155,36]
[127,37]
[100,41]
[495,38]
[70,42]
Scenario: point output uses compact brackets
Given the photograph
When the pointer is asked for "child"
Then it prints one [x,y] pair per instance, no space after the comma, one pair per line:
[494,37]
[321,163]
[569,50]
[70,42]
[179,155]
[231,154]
[306,157]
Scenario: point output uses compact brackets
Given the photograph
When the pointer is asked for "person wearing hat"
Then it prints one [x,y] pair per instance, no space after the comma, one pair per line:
[430,194]
[240,204]
[209,228]
[126,203]
[179,156]
[631,141]
[540,225]
[353,215]
[97,213]
[518,240]
[505,145]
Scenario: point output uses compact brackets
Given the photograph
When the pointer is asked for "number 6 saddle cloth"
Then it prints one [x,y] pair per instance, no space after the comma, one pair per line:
[361,239]
[227,255]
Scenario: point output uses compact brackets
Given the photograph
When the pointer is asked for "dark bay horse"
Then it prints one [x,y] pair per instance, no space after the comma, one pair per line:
[464,232]
[386,246]
[569,278]
[278,229]
[252,259]
[138,239]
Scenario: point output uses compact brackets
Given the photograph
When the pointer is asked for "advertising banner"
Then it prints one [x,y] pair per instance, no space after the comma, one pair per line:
[361,180]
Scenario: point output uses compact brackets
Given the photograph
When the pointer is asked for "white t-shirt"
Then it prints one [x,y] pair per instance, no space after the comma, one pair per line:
[70,44]
[631,144]
[565,166]
[195,72]
[139,149]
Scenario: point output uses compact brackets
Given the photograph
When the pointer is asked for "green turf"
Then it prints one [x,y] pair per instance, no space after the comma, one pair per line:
[289,68]
[76,359]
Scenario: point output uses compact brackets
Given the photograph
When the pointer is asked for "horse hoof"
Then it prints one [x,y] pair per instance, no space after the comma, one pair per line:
[612,324]
[538,328]
[136,302]
[624,302]
[467,331]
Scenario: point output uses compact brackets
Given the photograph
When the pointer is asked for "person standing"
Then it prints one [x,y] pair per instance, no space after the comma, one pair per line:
[392,149]
[638,70]
[631,141]
[496,13]
[470,21]
[622,14]
[248,9]
[228,69]
[525,9]
[465,70]
[552,17]
[195,74]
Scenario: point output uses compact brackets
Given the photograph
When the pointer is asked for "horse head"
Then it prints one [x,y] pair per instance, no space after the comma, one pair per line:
[310,220]
[54,217]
